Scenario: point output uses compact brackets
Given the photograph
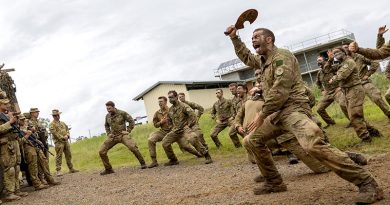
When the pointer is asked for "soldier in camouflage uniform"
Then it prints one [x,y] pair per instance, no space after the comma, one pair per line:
[118,132]
[40,129]
[60,133]
[347,77]
[196,128]
[288,110]
[330,93]
[370,89]
[223,112]
[379,43]
[8,152]
[183,119]
[30,155]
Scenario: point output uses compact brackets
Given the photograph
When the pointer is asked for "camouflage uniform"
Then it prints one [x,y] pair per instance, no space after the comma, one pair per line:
[115,125]
[289,111]
[31,156]
[223,111]
[332,93]
[379,43]
[159,135]
[196,128]
[182,118]
[370,89]
[287,140]
[376,54]
[41,132]
[348,78]
[60,131]
[9,158]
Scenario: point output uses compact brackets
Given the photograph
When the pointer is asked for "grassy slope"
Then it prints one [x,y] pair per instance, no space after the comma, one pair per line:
[86,157]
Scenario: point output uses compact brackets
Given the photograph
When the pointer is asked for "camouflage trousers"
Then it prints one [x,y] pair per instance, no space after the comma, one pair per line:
[387,96]
[9,159]
[112,141]
[375,96]
[31,157]
[327,100]
[311,138]
[194,141]
[182,138]
[43,168]
[158,136]
[221,125]
[355,99]
[63,148]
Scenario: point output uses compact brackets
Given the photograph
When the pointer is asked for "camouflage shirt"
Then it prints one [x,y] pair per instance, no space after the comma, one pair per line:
[235,102]
[195,106]
[376,54]
[362,64]
[59,131]
[348,75]
[247,111]
[379,43]
[116,123]
[181,115]
[158,116]
[222,109]
[310,95]
[283,87]
[323,77]
[40,129]
[6,132]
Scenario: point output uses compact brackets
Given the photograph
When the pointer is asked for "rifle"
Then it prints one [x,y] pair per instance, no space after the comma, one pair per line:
[32,139]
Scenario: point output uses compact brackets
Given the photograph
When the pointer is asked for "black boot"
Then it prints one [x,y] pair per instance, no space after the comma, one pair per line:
[208,158]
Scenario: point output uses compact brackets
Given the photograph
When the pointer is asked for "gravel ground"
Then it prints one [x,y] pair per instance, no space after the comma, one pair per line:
[227,181]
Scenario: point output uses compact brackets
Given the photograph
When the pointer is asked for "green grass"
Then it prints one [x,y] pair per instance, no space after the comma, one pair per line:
[86,157]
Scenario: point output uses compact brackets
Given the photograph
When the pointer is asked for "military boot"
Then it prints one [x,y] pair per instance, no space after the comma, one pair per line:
[208,158]
[41,186]
[154,163]
[172,162]
[107,171]
[369,193]
[58,173]
[73,170]
[143,166]
[292,159]
[54,183]
[374,132]
[271,186]
[357,158]
[11,197]
[259,178]
[21,193]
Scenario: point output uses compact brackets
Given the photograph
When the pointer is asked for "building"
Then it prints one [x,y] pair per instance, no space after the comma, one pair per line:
[306,52]
[200,92]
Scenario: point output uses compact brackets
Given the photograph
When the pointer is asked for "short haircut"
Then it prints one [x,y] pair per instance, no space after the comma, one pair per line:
[219,89]
[233,85]
[320,56]
[341,49]
[182,94]
[267,33]
[173,92]
[110,103]
[242,85]
[163,97]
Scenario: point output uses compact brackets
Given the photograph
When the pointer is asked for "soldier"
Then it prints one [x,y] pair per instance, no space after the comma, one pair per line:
[223,112]
[118,132]
[236,99]
[379,43]
[287,106]
[370,89]
[183,119]
[30,155]
[160,120]
[347,77]
[60,133]
[196,127]
[40,129]
[330,92]
[9,148]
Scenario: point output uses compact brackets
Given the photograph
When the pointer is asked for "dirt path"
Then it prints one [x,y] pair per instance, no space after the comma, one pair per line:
[226,181]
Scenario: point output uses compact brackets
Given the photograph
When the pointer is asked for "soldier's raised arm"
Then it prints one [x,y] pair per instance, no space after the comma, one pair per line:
[242,52]
[380,40]
[374,54]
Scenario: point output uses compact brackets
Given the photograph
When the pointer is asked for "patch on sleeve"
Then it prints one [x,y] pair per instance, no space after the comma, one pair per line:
[279,71]
[279,63]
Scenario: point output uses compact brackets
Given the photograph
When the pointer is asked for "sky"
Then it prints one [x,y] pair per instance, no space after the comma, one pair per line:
[77,55]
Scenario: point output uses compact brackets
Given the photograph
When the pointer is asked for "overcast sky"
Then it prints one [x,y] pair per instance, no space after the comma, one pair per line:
[76,55]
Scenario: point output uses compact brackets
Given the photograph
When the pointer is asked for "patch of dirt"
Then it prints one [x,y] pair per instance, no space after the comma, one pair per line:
[227,181]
